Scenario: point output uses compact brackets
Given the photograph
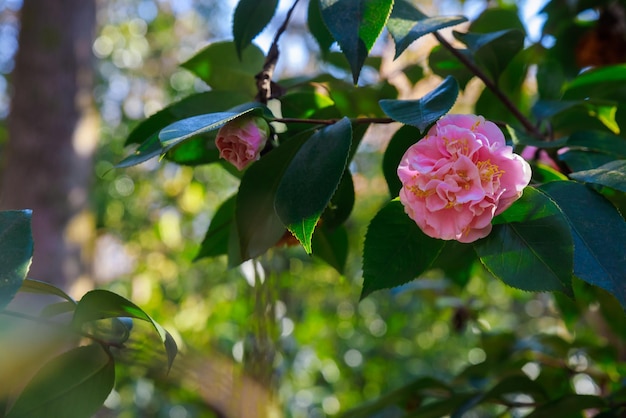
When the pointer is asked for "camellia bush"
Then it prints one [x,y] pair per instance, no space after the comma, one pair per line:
[529,187]
[460,193]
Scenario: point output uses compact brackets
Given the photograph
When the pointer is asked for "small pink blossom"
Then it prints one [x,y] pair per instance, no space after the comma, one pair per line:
[459,176]
[241,141]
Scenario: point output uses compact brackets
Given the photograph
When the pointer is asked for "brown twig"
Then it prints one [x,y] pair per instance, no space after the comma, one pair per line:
[264,78]
[332,121]
[491,85]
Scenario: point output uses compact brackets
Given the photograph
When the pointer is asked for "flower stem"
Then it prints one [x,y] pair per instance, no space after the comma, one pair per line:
[491,85]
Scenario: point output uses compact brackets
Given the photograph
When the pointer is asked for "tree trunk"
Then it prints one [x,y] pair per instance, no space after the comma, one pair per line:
[52,133]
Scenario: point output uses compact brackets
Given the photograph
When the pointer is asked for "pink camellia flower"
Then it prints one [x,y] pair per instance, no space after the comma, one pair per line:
[241,141]
[459,176]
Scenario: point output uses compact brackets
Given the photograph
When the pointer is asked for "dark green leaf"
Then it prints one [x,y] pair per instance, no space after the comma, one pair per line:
[414,73]
[215,241]
[331,245]
[423,112]
[599,83]
[251,17]
[355,25]
[441,408]
[599,234]
[425,386]
[516,385]
[407,23]
[318,28]
[530,247]
[258,226]
[493,19]
[444,64]
[520,138]
[35,286]
[199,150]
[16,252]
[72,385]
[193,105]
[146,151]
[101,304]
[312,178]
[611,175]
[550,79]
[599,141]
[341,204]
[182,130]
[567,406]
[219,66]
[456,261]
[395,251]
[578,160]
[404,137]
[493,51]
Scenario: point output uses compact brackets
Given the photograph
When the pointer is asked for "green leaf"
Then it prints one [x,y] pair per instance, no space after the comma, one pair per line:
[340,206]
[251,17]
[355,25]
[182,130]
[146,151]
[530,247]
[220,67]
[43,288]
[192,105]
[395,251]
[423,387]
[101,304]
[407,23]
[599,83]
[567,406]
[16,252]
[599,234]
[331,245]
[456,261]
[257,224]
[611,175]
[515,385]
[493,19]
[444,64]
[423,112]
[72,385]
[318,28]
[312,178]
[493,51]
[578,160]
[404,137]
[215,241]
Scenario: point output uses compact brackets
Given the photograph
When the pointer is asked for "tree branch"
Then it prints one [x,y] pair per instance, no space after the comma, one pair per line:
[491,85]
[264,78]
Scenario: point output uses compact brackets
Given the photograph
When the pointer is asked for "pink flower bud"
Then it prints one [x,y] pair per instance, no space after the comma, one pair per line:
[241,141]
[459,176]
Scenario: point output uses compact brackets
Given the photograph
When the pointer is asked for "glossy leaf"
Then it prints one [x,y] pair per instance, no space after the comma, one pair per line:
[146,151]
[72,385]
[250,18]
[599,234]
[407,23]
[16,252]
[530,246]
[182,130]
[192,105]
[404,137]
[258,226]
[215,241]
[318,28]
[331,245]
[569,405]
[221,68]
[43,288]
[395,251]
[312,178]
[423,112]
[600,83]
[355,25]
[102,304]
[581,160]
[456,261]
[493,51]
[611,175]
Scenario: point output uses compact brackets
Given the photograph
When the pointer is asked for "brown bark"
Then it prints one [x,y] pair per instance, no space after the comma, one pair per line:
[52,133]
